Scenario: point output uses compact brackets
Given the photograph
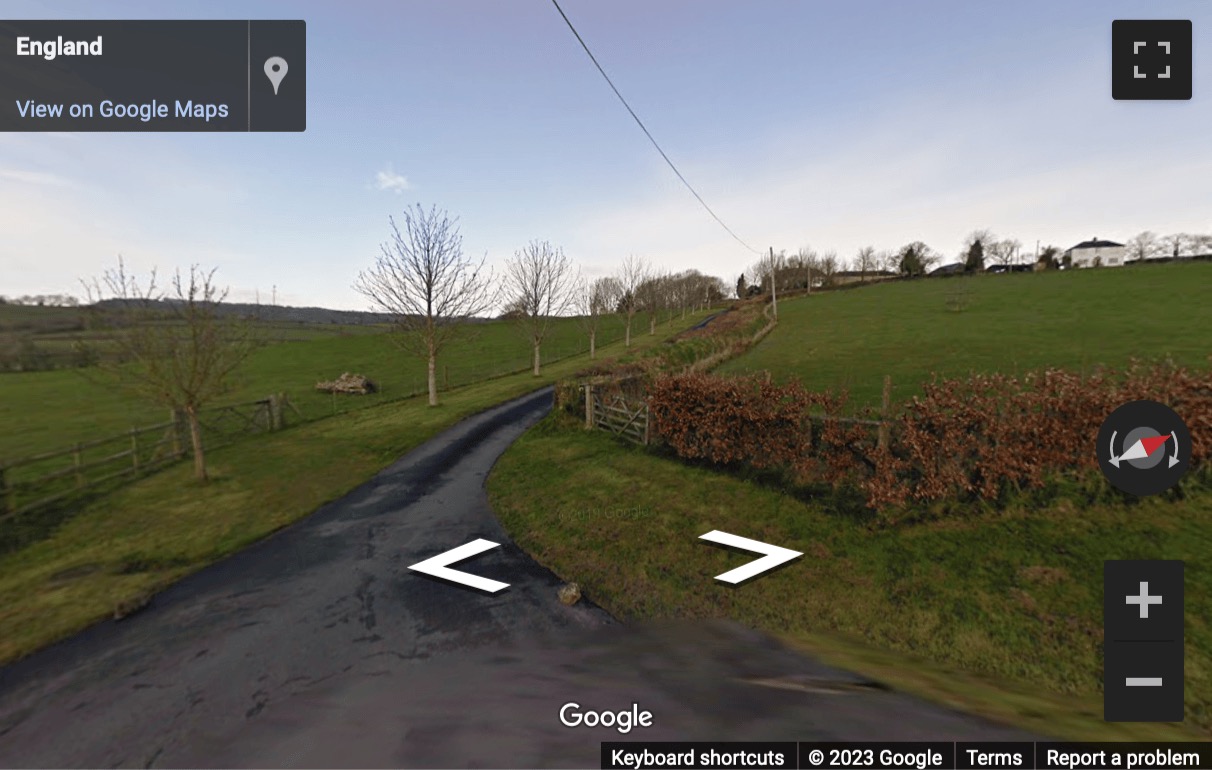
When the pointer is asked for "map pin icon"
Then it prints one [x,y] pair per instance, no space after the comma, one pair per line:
[275,70]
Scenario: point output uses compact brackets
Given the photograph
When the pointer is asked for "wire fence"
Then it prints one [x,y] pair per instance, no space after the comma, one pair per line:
[66,475]
[61,479]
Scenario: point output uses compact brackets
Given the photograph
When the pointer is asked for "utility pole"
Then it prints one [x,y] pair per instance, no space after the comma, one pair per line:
[774,274]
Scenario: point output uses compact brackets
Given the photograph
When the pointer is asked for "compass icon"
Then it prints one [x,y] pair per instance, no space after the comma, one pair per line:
[1141,448]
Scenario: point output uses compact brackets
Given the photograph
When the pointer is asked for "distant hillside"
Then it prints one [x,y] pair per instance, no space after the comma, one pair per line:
[301,315]
[283,314]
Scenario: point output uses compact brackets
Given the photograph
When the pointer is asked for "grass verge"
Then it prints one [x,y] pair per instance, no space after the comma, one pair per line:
[998,614]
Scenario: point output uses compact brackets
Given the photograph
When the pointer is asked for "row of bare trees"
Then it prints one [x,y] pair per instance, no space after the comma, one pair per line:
[175,346]
[1150,245]
[639,288]
[42,300]
[807,268]
[642,288]
[424,281]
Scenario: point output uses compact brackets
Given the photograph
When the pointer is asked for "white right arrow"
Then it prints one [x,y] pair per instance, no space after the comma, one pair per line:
[439,566]
[774,555]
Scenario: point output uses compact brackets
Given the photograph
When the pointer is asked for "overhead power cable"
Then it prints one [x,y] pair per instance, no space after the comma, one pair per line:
[645,130]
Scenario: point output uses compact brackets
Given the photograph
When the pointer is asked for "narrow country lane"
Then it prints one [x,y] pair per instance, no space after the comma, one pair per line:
[318,647]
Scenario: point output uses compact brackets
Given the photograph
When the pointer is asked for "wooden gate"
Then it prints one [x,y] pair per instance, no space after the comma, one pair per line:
[618,415]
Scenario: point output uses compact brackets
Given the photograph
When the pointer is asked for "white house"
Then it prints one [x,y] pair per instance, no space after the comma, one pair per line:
[1096,253]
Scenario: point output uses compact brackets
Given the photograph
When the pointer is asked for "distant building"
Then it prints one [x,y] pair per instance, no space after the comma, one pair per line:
[954,268]
[1096,253]
[858,276]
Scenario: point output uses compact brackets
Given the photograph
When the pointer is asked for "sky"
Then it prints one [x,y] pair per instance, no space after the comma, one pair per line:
[830,124]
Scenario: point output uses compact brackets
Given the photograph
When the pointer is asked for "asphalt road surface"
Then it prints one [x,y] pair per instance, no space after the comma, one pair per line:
[318,647]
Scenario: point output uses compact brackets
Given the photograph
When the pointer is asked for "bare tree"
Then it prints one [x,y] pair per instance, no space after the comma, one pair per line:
[542,281]
[757,276]
[915,259]
[596,299]
[1201,244]
[714,289]
[1004,252]
[653,297]
[423,281]
[887,260]
[703,289]
[691,290]
[677,292]
[829,266]
[1175,244]
[1144,246]
[865,261]
[632,275]
[807,262]
[174,347]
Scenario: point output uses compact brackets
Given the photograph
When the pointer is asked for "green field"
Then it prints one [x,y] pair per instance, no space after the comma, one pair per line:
[44,411]
[35,338]
[152,532]
[1077,319]
[998,614]
[15,317]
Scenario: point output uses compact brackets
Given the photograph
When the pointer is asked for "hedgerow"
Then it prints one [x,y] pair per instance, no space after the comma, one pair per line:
[986,437]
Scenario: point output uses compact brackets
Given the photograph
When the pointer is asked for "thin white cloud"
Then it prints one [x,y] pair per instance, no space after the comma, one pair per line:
[23,176]
[920,172]
[389,180]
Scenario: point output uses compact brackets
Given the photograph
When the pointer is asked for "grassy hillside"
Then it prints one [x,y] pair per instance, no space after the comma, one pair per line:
[999,614]
[38,318]
[1012,323]
[43,411]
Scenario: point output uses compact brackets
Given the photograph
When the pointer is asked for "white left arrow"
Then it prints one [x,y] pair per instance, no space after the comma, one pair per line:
[774,555]
[439,566]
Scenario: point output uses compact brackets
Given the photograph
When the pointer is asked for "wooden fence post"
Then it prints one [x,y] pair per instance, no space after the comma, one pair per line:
[885,406]
[588,406]
[134,449]
[647,412]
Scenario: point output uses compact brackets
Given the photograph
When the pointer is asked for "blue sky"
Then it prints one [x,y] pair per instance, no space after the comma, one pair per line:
[831,124]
